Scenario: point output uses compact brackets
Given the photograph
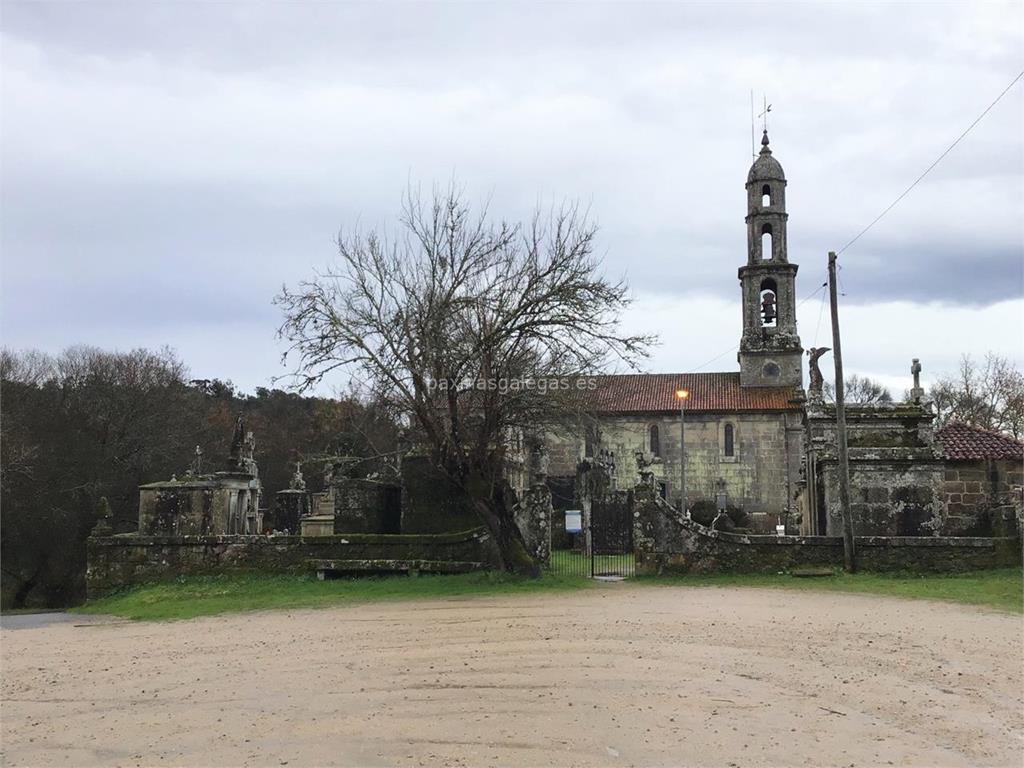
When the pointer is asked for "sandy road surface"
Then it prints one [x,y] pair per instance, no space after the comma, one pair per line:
[620,675]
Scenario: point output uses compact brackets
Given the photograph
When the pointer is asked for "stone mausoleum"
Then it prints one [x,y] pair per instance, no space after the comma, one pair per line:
[198,504]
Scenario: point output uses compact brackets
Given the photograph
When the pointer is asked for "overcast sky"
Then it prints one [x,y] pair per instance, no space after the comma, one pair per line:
[166,167]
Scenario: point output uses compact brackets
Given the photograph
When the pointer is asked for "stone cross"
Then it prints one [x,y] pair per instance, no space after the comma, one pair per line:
[917,393]
[298,482]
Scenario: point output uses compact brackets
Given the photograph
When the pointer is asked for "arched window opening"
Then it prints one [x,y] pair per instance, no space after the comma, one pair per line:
[766,242]
[590,442]
[766,196]
[769,296]
[730,440]
[654,440]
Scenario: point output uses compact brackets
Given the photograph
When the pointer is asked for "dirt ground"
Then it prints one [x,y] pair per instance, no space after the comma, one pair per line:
[620,675]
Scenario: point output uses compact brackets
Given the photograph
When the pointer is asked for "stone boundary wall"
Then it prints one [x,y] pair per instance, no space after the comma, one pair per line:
[119,561]
[666,543]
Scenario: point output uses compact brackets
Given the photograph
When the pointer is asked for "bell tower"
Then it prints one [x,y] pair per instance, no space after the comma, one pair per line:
[770,353]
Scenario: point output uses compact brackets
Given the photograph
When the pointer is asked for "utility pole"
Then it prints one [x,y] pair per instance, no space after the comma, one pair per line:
[682,457]
[849,553]
[681,395]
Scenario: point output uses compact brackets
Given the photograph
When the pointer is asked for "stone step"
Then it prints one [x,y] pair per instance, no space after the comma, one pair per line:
[412,567]
[810,572]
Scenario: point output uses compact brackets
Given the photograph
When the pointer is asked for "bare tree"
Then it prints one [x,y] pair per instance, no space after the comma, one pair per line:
[472,329]
[859,390]
[989,394]
[29,366]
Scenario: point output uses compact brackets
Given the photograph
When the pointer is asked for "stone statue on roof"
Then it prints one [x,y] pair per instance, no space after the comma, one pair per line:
[817,381]
[237,441]
[196,467]
[248,459]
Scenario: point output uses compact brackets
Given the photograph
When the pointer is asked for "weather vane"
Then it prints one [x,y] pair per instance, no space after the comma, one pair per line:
[764,115]
[764,120]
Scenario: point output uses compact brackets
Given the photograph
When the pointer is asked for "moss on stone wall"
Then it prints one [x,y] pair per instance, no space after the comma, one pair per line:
[667,543]
[115,562]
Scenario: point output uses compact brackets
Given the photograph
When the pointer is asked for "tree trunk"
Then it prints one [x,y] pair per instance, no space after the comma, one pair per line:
[494,503]
[500,519]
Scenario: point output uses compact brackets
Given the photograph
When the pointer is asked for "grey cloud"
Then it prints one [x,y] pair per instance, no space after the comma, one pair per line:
[955,274]
[168,165]
[269,36]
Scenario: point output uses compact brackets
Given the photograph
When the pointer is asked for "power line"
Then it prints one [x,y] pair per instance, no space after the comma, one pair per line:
[878,218]
[713,359]
[737,346]
[812,295]
[821,313]
[930,167]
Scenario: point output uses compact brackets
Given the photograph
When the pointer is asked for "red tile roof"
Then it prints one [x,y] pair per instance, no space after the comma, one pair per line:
[709,392]
[962,442]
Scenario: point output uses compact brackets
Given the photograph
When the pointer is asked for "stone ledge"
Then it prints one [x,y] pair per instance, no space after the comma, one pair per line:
[862,541]
[135,540]
[394,566]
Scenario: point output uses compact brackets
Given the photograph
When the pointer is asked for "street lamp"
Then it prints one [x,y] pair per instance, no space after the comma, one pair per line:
[682,394]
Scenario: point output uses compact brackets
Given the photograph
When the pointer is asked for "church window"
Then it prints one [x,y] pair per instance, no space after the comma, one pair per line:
[590,441]
[730,440]
[766,241]
[771,370]
[769,307]
[654,440]
[766,196]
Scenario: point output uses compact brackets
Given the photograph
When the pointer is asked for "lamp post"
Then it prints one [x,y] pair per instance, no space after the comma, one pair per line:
[682,394]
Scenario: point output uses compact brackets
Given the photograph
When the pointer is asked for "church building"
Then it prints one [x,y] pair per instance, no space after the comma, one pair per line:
[742,430]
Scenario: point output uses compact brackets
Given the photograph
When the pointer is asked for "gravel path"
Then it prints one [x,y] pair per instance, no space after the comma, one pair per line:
[618,675]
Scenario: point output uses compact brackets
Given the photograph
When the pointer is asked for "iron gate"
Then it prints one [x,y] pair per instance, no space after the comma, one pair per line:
[604,546]
[611,537]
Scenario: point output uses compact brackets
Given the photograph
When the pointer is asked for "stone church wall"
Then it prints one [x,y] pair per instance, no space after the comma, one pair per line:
[759,478]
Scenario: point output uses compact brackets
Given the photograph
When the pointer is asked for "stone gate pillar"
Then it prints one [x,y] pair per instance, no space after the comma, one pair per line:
[533,516]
